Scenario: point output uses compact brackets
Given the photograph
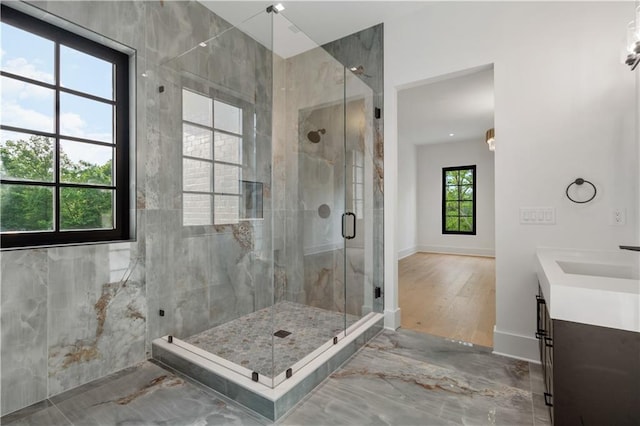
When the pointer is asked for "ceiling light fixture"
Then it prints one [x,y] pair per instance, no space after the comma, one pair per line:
[202,44]
[490,139]
[633,41]
[450,134]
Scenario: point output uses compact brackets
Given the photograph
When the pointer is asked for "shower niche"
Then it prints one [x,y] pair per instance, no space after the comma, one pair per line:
[276,267]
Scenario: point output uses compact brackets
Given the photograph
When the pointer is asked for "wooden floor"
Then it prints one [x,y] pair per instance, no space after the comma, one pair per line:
[449,296]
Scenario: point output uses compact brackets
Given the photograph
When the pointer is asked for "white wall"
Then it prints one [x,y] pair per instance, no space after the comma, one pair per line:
[564,108]
[407,200]
[431,160]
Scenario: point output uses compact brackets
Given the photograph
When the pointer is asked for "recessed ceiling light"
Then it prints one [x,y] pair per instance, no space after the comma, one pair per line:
[203,44]
[279,7]
[450,134]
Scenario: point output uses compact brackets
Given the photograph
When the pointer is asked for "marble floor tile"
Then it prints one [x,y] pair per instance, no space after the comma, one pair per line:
[400,378]
[541,415]
[388,383]
[41,414]
[152,395]
[455,355]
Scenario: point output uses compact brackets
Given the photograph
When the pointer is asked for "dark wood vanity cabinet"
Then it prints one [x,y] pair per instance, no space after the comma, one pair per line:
[591,373]
[544,334]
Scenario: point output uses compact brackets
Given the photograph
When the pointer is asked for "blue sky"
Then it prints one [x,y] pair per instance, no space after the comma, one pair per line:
[31,106]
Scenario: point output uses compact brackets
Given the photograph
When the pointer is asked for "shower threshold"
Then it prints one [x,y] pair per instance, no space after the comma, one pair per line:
[270,397]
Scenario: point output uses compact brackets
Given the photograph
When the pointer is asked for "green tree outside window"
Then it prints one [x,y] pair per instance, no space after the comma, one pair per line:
[27,206]
[458,200]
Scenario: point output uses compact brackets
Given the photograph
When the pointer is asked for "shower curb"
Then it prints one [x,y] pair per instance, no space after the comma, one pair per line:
[267,402]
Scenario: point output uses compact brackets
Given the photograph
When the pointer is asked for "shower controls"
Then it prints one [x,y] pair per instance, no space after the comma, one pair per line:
[324,211]
[352,234]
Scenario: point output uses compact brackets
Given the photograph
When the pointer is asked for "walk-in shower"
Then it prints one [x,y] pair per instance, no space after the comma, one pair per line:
[280,238]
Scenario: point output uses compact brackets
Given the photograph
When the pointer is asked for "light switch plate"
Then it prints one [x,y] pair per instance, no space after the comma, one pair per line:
[537,215]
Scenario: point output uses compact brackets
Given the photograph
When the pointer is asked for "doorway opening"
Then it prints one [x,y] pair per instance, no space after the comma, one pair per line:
[446,271]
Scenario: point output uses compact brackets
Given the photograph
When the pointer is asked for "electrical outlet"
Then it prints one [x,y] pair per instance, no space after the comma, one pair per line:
[618,217]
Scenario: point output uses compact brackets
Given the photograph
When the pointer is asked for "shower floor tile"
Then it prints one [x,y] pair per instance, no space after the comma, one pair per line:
[249,341]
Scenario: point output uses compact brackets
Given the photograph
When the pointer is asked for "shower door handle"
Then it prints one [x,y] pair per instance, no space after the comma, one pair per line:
[344,217]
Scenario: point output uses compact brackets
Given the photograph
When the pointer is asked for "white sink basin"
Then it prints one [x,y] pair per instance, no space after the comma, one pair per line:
[599,270]
[591,287]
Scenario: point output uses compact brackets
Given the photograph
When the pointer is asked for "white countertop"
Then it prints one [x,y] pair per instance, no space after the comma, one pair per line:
[591,287]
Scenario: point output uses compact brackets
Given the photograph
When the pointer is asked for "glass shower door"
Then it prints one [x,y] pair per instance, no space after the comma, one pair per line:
[322,149]
[309,195]
[359,169]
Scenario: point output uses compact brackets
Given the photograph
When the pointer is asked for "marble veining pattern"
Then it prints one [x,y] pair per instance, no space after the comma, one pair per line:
[399,378]
[408,378]
[93,323]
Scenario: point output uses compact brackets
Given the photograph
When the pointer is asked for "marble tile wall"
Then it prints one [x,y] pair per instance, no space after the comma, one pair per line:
[24,278]
[74,314]
[366,48]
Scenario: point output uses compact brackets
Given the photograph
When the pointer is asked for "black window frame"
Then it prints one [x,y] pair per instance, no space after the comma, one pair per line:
[444,200]
[121,230]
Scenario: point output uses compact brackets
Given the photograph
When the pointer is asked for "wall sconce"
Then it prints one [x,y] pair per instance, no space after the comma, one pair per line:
[490,138]
[633,41]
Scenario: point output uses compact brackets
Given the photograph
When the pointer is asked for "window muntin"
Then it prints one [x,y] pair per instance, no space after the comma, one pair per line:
[357,182]
[64,148]
[459,200]
[212,137]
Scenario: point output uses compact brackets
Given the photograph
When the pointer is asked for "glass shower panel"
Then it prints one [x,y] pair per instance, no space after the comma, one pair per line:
[359,169]
[214,215]
[309,194]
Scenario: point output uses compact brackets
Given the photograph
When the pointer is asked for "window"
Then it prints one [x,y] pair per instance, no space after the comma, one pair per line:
[459,200]
[213,192]
[64,148]
[357,183]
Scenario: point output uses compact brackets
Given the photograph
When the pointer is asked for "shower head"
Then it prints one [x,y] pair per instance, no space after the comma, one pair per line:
[314,135]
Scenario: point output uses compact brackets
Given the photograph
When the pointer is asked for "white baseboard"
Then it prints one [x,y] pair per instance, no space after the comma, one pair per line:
[407,252]
[469,251]
[392,319]
[515,346]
